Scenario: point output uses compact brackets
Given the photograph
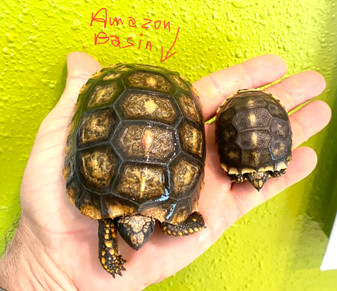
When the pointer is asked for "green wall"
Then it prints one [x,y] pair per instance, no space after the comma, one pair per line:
[277,246]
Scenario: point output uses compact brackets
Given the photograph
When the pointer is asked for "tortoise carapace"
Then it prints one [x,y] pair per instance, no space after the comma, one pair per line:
[135,154]
[253,136]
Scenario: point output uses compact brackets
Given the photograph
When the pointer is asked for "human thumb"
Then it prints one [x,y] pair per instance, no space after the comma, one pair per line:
[80,66]
[53,129]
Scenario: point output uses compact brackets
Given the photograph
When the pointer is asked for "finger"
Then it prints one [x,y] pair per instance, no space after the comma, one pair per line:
[80,66]
[298,88]
[216,190]
[305,123]
[213,170]
[53,130]
[309,120]
[256,72]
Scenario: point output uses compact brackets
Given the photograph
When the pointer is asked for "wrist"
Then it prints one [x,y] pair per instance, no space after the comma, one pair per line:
[18,265]
[27,266]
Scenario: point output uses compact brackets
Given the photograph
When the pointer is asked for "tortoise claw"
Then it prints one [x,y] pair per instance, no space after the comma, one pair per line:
[110,259]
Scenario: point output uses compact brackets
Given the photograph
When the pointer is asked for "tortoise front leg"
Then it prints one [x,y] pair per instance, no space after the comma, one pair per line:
[193,223]
[109,257]
[277,174]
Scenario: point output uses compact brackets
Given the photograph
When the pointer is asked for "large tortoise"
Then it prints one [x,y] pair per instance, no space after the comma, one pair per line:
[254,137]
[135,154]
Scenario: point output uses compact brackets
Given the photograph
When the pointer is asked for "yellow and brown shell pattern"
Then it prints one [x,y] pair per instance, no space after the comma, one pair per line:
[254,137]
[136,144]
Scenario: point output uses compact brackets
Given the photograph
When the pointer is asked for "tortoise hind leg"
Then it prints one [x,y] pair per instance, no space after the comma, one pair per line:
[191,224]
[109,257]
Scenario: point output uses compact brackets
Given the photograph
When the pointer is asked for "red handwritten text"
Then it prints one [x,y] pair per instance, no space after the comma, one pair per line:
[101,38]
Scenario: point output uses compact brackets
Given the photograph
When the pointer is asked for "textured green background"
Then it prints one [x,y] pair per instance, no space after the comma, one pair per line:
[277,246]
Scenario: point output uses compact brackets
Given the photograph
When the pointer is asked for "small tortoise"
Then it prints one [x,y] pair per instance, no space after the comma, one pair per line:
[135,154]
[253,136]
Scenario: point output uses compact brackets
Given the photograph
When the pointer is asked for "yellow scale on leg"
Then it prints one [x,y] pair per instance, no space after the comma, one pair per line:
[109,257]
[192,224]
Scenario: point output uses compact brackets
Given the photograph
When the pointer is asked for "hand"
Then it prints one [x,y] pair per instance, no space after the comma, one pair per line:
[57,246]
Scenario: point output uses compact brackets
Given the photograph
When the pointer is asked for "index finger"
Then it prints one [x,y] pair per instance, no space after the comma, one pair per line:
[254,73]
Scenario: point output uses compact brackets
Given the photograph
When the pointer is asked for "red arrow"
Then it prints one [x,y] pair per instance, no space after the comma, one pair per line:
[167,54]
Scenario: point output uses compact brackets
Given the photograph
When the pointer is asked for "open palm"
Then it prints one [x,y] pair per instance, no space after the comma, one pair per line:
[66,242]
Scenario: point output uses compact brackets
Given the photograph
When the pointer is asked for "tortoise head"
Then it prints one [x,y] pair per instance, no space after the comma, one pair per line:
[136,229]
[257,179]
